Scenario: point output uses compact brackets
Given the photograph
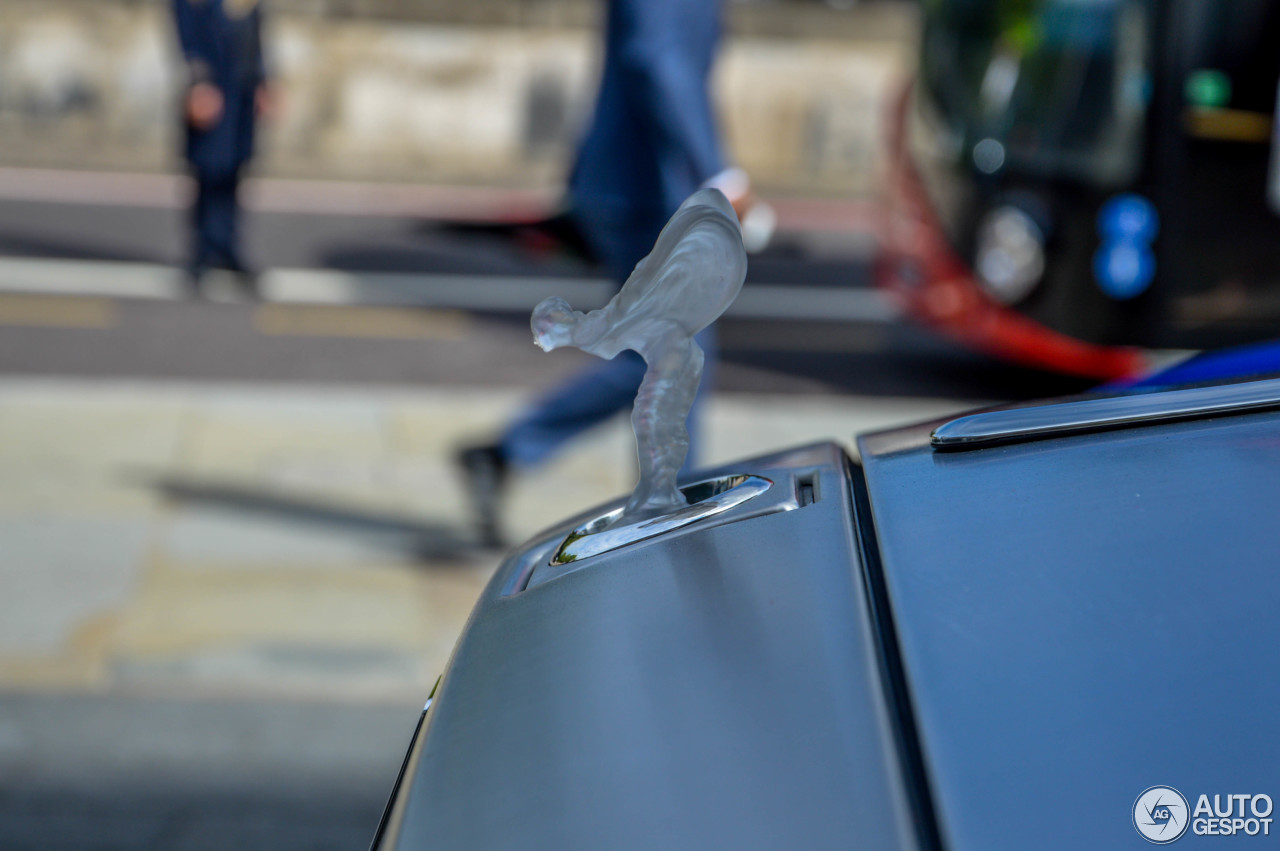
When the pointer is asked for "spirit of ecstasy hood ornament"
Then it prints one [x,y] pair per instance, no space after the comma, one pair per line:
[692,275]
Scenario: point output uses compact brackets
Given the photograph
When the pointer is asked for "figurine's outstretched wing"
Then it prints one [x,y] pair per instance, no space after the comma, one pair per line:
[695,270]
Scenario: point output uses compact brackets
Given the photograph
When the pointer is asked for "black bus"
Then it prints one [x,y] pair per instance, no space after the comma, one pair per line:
[1076,181]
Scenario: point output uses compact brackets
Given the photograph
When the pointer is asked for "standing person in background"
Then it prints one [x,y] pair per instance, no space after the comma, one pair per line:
[651,143]
[221,44]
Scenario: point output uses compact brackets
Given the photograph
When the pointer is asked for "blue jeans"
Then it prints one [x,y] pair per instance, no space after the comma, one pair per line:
[214,218]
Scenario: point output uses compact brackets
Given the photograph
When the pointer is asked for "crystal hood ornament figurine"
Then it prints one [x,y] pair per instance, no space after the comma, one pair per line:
[692,275]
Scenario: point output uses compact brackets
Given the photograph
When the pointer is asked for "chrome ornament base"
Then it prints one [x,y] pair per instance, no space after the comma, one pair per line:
[706,499]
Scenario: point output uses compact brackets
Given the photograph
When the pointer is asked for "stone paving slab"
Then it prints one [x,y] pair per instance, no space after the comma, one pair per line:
[281,541]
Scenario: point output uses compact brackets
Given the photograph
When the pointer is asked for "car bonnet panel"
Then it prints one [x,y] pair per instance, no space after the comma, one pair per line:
[715,688]
[1082,618]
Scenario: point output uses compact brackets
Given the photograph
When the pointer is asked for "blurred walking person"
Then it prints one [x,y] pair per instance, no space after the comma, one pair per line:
[651,143]
[226,81]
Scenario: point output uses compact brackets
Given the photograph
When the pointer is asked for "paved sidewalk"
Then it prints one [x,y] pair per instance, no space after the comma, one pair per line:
[200,539]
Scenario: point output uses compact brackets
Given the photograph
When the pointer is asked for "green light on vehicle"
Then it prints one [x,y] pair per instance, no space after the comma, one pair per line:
[1208,88]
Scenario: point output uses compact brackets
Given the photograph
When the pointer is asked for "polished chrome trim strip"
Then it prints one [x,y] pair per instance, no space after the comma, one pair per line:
[1038,422]
[706,499]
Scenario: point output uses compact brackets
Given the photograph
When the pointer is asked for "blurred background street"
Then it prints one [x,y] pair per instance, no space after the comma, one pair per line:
[234,549]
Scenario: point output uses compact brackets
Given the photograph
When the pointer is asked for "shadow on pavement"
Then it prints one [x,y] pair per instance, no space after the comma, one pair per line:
[425,541]
[70,249]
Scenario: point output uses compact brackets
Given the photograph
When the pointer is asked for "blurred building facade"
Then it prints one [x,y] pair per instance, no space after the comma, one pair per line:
[488,91]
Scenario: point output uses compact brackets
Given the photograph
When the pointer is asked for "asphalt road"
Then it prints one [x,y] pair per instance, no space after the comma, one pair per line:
[180,337]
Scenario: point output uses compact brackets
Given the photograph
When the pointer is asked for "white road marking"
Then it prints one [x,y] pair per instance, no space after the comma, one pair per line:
[89,278]
[399,289]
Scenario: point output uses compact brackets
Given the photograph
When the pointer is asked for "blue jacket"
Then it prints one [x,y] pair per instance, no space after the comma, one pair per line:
[222,44]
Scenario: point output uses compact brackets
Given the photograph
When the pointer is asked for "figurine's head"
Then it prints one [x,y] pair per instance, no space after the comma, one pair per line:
[553,322]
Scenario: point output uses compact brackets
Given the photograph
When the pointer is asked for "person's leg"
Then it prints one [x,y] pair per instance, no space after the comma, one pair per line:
[220,230]
[200,251]
[592,396]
